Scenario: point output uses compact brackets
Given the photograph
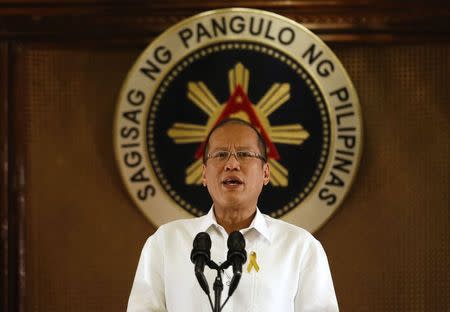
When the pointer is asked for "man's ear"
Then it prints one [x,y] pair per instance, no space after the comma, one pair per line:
[266,172]
[204,175]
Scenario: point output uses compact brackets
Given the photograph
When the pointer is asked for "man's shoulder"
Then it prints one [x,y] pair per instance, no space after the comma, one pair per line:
[179,223]
[180,226]
[282,229]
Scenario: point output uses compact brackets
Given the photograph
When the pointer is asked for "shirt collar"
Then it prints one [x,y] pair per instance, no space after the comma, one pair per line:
[259,223]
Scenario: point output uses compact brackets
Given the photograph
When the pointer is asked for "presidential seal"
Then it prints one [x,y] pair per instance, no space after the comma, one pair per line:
[247,64]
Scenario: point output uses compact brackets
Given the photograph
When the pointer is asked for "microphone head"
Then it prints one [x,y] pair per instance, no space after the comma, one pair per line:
[236,241]
[236,246]
[201,246]
[237,257]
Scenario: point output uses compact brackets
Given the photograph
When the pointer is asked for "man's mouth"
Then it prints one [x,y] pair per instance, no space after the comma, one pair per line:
[232,181]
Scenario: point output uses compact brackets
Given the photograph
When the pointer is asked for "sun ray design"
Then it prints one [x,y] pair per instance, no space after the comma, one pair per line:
[238,79]
[194,172]
[238,76]
[278,174]
[277,95]
[199,93]
[183,133]
[288,134]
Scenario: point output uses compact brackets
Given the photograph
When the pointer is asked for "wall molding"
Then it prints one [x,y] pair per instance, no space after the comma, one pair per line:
[334,21]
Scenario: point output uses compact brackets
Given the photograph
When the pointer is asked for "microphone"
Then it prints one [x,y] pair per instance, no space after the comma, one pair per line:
[236,257]
[201,255]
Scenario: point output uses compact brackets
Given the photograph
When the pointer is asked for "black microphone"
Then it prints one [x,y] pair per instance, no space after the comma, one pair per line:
[236,257]
[201,255]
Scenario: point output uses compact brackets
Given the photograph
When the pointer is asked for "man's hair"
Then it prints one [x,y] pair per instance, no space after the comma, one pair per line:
[261,142]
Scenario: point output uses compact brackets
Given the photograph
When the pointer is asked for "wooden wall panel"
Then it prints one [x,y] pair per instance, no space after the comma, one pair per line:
[4,174]
[83,234]
[389,244]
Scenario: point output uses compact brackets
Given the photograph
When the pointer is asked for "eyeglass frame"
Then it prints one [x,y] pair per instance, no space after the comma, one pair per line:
[235,154]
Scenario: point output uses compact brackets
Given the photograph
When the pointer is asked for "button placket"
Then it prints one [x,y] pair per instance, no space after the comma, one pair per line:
[252,296]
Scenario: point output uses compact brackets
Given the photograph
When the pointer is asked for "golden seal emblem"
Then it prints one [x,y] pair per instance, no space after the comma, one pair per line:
[247,64]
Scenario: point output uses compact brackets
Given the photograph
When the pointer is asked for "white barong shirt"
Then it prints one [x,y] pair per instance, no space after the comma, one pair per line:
[293,271]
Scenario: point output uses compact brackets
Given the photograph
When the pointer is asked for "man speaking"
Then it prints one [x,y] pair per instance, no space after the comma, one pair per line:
[286,267]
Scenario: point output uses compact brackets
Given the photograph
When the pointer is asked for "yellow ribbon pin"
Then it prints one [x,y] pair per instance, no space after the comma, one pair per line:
[252,262]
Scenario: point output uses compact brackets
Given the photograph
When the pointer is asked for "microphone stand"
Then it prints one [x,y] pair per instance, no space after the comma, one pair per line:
[218,284]
[218,287]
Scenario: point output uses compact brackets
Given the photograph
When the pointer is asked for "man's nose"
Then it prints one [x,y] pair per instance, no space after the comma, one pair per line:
[232,163]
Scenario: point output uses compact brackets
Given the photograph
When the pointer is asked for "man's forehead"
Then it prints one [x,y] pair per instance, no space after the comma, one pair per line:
[235,134]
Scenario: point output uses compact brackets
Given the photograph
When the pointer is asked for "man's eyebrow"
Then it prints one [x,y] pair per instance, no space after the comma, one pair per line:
[220,148]
[226,148]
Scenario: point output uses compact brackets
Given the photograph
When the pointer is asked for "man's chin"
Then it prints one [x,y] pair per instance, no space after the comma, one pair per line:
[232,200]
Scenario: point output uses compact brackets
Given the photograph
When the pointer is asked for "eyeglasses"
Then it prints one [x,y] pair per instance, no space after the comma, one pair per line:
[241,156]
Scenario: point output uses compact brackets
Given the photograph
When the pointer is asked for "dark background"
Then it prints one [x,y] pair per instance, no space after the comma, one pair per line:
[70,234]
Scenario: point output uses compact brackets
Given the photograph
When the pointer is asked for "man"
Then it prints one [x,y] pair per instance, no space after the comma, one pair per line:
[286,269]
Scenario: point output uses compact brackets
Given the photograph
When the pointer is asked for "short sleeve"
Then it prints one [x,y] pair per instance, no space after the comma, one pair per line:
[147,293]
[315,290]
